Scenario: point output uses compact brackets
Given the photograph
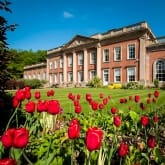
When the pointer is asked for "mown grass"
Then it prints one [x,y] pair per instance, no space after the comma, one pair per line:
[61,94]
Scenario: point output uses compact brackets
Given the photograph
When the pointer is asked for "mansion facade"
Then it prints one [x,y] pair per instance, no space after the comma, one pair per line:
[130,53]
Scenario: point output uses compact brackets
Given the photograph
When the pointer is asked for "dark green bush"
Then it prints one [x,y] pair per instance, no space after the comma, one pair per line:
[34,83]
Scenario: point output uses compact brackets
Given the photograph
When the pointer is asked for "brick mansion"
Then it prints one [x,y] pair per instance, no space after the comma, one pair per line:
[130,53]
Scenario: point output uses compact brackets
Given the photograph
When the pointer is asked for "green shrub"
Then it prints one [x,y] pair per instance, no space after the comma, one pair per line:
[132,85]
[95,82]
[34,83]
[156,83]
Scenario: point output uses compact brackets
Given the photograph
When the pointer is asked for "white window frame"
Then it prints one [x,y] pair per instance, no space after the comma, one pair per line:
[34,76]
[50,65]
[80,76]
[70,61]
[55,78]
[92,74]
[55,64]
[117,72]
[80,58]
[61,62]
[61,77]
[38,76]
[50,79]
[106,55]
[93,56]
[116,52]
[70,76]
[105,82]
[44,76]
[161,70]
[128,74]
[129,50]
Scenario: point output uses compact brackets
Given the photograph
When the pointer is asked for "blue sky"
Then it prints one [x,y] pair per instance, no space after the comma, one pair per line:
[46,24]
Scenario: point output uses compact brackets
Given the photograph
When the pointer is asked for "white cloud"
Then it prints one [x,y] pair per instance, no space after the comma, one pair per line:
[67,14]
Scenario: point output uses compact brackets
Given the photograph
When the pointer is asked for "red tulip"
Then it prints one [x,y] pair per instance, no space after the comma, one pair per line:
[74,129]
[101,106]
[50,93]
[70,95]
[76,102]
[154,100]
[151,142]
[94,105]
[155,119]
[105,101]
[78,109]
[137,98]
[20,95]
[130,98]
[109,97]
[15,102]
[144,120]
[156,94]
[21,137]
[7,137]
[88,97]
[123,149]
[101,95]
[142,106]
[28,95]
[94,138]
[27,88]
[123,100]
[117,120]
[37,94]
[30,106]
[15,137]
[42,106]
[8,161]
[78,97]
[149,101]
[54,107]
[113,110]
[149,95]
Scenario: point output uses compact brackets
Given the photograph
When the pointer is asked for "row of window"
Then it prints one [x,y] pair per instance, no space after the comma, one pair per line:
[39,76]
[105,74]
[93,56]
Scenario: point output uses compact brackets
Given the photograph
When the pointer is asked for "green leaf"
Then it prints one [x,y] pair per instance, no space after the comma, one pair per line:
[159,158]
[145,156]
[134,116]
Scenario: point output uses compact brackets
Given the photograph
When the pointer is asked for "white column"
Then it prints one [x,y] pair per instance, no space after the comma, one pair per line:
[64,68]
[85,65]
[98,71]
[47,72]
[142,60]
[74,67]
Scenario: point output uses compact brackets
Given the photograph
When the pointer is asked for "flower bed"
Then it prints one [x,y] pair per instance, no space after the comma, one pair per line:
[50,136]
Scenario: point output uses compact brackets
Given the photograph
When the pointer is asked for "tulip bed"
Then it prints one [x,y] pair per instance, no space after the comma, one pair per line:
[85,127]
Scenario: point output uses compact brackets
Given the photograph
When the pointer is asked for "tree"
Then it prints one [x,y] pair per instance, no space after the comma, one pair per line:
[5,55]
[24,58]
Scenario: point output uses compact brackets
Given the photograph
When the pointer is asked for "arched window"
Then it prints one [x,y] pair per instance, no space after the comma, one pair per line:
[160,70]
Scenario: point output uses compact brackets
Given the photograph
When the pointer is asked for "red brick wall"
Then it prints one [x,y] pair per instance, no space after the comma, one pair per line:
[124,63]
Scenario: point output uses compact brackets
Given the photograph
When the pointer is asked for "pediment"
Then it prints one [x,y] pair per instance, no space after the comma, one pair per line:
[78,40]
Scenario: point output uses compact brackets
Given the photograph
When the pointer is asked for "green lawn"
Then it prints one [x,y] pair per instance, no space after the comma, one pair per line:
[61,94]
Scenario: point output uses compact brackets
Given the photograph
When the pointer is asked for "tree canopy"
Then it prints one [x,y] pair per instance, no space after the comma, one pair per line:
[5,55]
[22,58]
